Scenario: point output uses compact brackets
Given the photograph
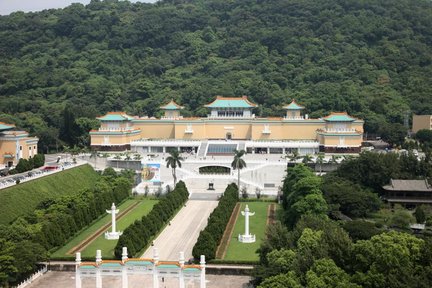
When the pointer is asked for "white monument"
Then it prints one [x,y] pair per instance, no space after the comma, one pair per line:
[113,235]
[247,237]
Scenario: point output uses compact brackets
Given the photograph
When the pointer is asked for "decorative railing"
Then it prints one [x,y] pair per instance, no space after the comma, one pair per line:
[32,278]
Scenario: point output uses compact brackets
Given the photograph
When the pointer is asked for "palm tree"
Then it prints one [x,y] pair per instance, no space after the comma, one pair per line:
[307,159]
[334,159]
[174,161]
[238,163]
[127,159]
[137,157]
[320,161]
[294,156]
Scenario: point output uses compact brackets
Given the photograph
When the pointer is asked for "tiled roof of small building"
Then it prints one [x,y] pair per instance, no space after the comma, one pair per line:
[231,102]
[4,126]
[171,106]
[339,117]
[115,116]
[294,106]
[408,185]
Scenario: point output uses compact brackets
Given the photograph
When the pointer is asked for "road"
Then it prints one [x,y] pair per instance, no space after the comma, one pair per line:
[183,232]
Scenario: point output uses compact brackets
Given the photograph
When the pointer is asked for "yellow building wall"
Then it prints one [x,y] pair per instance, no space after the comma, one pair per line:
[98,139]
[157,129]
[421,122]
[301,131]
[335,140]
[218,130]
[9,147]
[198,127]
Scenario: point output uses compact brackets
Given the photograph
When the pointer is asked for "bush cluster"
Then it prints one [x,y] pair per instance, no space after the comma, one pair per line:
[139,234]
[210,237]
[26,165]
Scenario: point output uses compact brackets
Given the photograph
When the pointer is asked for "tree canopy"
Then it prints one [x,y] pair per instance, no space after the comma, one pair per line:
[62,67]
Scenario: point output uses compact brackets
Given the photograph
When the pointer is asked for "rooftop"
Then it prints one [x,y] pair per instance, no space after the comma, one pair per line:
[294,106]
[408,185]
[171,106]
[115,116]
[339,117]
[4,126]
[231,102]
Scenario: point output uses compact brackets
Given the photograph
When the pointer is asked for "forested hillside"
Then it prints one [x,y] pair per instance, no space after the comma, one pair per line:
[61,68]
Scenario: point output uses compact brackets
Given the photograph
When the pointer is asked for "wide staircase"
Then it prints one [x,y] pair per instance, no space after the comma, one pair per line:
[202,149]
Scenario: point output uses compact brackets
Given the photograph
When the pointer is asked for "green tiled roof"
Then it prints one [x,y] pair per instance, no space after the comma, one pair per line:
[168,266]
[339,117]
[87,267]
[4,126]
[191,270]
[110,265]
[115,117]
[231,102]
[171,106]
[293,106]
[139,263]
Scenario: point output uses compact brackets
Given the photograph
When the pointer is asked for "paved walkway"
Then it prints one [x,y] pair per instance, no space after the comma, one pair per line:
[183,232]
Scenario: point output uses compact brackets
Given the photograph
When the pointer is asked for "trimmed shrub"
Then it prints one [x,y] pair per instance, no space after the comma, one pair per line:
[211,236]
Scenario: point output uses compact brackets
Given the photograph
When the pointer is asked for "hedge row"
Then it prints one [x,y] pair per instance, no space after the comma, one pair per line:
[138,235]
[66,216]
[210,237]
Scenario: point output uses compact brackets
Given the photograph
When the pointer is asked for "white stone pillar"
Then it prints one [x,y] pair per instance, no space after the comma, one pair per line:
[98,257]
[77,270]
[124,277]
[124,254]
[181,262]
[202,278]
[155,271]
[246,214]
[98,278]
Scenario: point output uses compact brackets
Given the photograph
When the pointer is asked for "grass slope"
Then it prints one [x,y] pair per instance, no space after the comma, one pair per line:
[23,198]
[257,225]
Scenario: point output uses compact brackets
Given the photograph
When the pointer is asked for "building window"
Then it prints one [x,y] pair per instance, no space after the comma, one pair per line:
[20,148]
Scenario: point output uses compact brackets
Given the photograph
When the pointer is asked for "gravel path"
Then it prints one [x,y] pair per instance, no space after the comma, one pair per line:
[183,232]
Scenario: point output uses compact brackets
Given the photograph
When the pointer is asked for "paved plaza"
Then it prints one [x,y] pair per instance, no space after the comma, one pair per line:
[183,232]
[67,280]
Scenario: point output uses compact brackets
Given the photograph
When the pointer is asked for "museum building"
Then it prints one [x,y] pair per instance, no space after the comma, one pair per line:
[15,145]
[229,125]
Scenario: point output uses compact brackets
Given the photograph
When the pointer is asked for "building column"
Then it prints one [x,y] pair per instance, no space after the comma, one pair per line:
[77,270]
[181,262]
[202,276]
[155,271]
[98,271]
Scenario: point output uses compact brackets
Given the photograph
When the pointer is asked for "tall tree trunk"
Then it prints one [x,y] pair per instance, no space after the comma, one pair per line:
[175,177]
[238,179]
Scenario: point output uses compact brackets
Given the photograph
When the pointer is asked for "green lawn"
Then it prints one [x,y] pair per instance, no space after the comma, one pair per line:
[23,198]
[257,225]
[107,246]
[90,230]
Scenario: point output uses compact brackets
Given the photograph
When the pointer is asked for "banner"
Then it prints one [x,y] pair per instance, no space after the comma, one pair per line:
[150,172]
